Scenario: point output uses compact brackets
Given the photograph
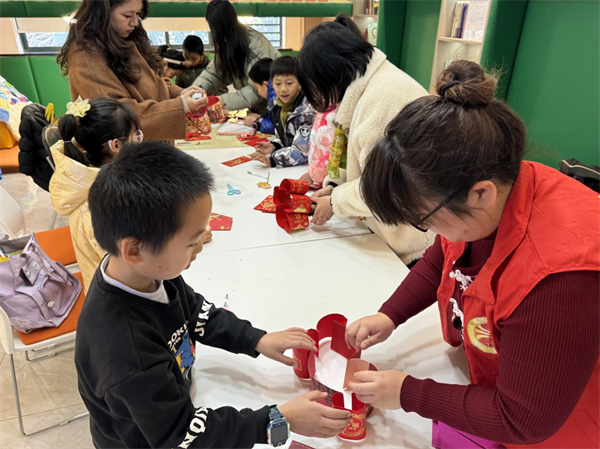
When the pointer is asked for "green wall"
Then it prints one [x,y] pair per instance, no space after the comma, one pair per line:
[555,83]
[390,28]
[418,42]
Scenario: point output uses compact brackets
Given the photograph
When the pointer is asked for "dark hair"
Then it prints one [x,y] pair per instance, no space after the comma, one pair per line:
[230,39]
[143,193]
[439,146]
[347,22]
[284,65]
[164,51]
[92,31]
[193,44]
[106,120]
[331,58]
[261,70]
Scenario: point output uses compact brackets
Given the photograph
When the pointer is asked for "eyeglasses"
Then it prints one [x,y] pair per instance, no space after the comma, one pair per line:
[138,137]
[420,225]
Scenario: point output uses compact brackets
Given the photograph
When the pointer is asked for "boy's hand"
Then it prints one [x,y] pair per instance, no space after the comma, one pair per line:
[265,148]
[259,157]
[274,344]
[249,121]
[309,418]
[306,178]
[380,389]
[369,331]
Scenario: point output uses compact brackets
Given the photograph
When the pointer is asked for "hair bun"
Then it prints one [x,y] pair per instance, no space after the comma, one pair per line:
[465,83]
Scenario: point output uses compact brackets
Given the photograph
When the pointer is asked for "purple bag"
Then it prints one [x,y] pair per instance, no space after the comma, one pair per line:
[446,437]
[36,291]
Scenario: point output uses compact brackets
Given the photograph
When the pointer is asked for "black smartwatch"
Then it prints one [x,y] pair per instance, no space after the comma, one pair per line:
[278,430]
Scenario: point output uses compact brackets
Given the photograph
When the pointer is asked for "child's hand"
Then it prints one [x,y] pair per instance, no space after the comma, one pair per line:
[259,157]
[265,148]
[369,331]
[249,121]
[206,235]
[187,64]
[323,211]
[380,389]
[309,418]
[306,178]
[274,344]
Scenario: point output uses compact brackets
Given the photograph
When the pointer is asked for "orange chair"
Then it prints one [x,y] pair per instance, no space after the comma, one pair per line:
[49,341]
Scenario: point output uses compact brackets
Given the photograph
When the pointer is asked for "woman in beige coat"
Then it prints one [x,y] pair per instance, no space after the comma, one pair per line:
[340,69]
[108,54]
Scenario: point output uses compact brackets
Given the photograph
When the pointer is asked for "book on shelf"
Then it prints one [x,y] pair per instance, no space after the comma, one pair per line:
[371,7]
[458,21]
[475,21]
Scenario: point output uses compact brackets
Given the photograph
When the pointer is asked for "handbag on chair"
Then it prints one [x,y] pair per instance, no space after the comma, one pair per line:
[36,291]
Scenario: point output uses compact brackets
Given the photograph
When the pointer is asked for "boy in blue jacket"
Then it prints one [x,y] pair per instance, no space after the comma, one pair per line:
[260,75]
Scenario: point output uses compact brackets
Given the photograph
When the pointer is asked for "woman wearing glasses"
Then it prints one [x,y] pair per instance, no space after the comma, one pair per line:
[338,68]
[514,271]
[108,54]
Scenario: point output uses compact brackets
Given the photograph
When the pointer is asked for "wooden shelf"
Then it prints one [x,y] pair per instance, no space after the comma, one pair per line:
[459,41]
[365,16]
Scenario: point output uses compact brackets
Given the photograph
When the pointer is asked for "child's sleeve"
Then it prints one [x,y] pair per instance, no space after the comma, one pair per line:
[220,328]
[265,124]
[297,152]
[163,411]
[211,81]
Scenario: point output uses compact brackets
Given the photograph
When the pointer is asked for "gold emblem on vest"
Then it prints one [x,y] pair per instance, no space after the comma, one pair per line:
[479,335]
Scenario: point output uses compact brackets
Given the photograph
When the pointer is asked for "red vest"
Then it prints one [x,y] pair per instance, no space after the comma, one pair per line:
[550,224]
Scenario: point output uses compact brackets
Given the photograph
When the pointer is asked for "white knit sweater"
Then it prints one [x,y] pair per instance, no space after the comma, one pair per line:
[369,104]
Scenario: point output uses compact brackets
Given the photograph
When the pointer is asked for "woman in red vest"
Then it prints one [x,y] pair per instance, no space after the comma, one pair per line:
[514,271]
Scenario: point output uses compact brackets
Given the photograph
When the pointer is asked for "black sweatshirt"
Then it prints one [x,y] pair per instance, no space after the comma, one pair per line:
[134,358]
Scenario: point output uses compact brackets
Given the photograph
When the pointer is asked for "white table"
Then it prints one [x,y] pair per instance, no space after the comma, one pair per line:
[277,287]
[253,228]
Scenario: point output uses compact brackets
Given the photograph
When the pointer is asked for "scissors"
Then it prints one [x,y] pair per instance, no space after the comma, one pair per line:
[231,191]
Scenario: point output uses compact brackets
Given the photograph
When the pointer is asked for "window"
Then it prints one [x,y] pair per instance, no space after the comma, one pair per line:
[42,42]
[270,27]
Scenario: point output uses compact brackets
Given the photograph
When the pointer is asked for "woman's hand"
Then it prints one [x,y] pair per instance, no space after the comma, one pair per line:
[369,331]
[323,211]
[325,191]
[259,157]
[274,344]
[193,88]
[312,419]
[195,105]
[265,148]
[380,389]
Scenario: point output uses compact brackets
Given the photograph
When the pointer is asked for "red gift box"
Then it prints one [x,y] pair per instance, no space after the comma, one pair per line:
[334,326]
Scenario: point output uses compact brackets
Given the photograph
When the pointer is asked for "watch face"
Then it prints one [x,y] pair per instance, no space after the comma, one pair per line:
[279,433]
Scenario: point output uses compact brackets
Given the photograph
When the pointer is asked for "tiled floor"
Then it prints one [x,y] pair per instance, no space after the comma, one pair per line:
[47,387]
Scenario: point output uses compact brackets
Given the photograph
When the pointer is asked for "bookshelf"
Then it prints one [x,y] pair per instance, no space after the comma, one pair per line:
[365,14]
[462,38]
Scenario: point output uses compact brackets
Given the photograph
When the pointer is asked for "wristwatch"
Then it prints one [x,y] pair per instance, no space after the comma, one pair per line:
[278,430]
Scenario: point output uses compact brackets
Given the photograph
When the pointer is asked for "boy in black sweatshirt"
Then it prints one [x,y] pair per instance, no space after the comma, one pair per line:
[136,335]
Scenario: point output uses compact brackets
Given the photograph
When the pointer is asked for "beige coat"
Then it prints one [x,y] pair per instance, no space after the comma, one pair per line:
[156,103]
[369,104]
[69,188]
[245,96]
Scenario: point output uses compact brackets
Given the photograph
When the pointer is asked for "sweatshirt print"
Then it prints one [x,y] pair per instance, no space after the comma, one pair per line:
[134,360]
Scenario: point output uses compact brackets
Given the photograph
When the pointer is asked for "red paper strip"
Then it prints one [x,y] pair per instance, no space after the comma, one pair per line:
[356,430]
[294,186]
[237,161]
[290,221]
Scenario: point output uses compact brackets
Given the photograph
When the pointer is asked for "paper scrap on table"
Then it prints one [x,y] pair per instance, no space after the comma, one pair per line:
[237,161]
[220,222]
[267,205]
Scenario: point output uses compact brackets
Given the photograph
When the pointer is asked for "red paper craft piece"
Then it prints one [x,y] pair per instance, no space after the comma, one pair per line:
[290,221]
[294,186]
[220,222]
[267,205]
[215,110]
[190,137]
[296,445]
[255,142]
[237,161]
[197,126]
[293,203]
[357,429]
[334,326]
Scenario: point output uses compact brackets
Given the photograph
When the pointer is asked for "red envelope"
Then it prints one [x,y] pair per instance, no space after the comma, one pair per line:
[220,222]
[296,445]
[237,161]
[267,205]
[255,142]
